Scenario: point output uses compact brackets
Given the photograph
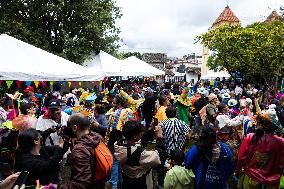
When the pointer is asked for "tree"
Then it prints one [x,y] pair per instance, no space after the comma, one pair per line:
[69,28]
[256,52]
[124,55]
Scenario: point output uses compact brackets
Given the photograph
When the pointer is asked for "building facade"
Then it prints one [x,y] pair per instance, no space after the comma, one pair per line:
[186,69]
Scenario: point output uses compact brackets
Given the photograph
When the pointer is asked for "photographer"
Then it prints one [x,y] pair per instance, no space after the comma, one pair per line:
[42,162]
[82,176]
[53,118]
[136,162]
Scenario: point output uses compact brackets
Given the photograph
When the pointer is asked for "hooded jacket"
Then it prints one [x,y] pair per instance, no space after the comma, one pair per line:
[81,158]
[262,162]
[179,178]
[147,161]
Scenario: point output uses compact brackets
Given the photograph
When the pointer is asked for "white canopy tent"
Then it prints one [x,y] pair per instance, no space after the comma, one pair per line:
[108,64]
[213,75]
[24,62]
[136,67]
[112,66]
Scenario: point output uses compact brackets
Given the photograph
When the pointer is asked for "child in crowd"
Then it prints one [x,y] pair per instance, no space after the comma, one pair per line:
[178,177]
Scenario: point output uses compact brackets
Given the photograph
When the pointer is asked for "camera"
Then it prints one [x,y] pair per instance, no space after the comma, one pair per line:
[65,132]
[62,131]
[57,127]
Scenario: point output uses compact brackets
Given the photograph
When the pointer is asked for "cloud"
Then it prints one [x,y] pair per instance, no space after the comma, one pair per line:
[171,26]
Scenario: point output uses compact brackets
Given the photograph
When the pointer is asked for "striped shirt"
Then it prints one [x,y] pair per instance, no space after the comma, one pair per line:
[174,132]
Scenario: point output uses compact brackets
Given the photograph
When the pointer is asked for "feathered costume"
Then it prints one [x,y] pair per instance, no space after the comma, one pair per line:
[183,105]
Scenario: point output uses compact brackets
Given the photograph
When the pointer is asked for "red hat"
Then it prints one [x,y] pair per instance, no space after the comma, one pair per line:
[28,89]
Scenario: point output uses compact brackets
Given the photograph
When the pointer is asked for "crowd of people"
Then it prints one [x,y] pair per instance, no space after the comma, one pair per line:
[220,134]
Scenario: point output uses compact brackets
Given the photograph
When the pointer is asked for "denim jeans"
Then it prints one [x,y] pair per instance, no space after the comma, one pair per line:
[115,176]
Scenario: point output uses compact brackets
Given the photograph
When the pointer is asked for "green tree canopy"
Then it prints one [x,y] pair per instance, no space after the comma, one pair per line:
[255,51]
[124,55]
[69,28]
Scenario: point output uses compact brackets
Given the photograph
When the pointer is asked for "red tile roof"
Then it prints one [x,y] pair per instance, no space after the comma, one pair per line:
[273,16]
[226,16]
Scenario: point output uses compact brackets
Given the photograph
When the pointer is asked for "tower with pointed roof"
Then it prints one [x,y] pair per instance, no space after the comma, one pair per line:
[226,17]
[273,16]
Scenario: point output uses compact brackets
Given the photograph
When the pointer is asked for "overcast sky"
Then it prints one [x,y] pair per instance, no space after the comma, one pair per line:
[170,26]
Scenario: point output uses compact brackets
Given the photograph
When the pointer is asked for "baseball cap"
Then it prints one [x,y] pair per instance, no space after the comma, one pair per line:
[54,104]
[28,89]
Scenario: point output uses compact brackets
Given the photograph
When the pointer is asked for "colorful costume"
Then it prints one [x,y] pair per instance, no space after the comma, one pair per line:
[132,104]
[87,100]
[119,117]
[183,105]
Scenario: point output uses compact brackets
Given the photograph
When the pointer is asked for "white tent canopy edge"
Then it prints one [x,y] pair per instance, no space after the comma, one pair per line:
[25,62]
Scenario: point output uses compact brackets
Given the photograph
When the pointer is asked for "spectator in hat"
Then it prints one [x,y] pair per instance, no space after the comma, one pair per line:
[225,98]
[29,91]
[234,111]
[211,108]
[238,91]
[29,95]
[55,116]
[224,123]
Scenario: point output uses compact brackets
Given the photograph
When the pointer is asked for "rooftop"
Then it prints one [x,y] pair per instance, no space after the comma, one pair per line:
[273,16]
[226,16]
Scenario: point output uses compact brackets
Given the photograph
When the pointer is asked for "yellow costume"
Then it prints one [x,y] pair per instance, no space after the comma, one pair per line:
[131,103]
[161,114]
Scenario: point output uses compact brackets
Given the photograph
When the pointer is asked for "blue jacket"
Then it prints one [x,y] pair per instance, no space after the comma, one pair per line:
[210,176]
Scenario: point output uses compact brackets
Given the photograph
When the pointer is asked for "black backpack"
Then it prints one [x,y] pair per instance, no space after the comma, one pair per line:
[132,161]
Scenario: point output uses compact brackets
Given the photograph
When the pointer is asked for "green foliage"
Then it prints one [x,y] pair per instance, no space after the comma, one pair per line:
[255,51]
[124,55]
[69,28]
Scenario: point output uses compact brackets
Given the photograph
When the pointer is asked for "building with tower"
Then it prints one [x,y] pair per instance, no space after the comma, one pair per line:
[226,17]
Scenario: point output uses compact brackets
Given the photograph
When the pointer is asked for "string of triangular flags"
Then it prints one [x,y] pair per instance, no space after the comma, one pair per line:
[43,84]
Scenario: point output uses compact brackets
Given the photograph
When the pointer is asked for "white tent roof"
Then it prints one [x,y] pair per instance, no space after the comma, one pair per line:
[213,75]
[22,61]
[136,67]
[109,65]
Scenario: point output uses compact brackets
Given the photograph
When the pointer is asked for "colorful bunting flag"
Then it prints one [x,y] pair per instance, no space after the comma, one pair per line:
[28,83]
[80,83]
[75,83]
[43,83]
[51,83]
[36,83]
[19,84]
[69,84]
[64,83]
[9,83]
